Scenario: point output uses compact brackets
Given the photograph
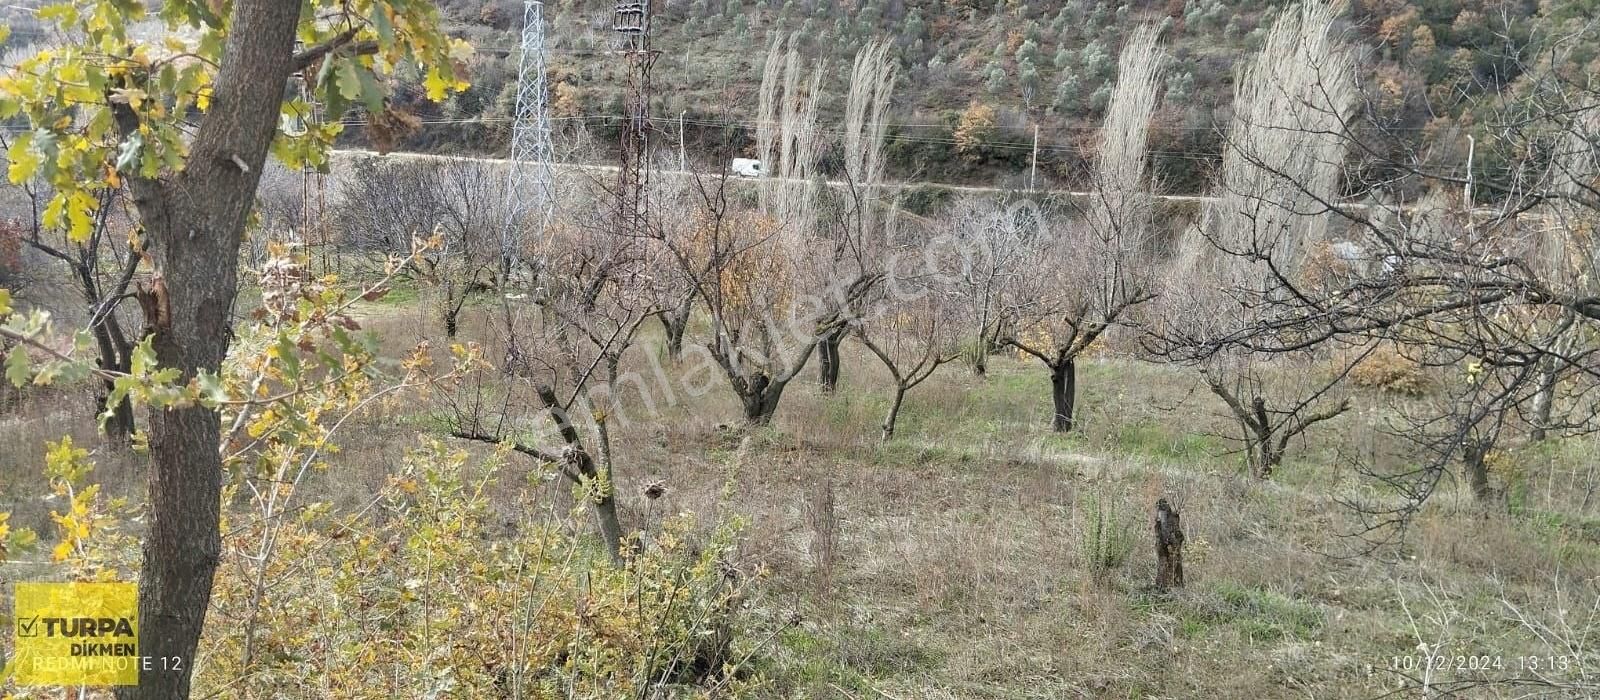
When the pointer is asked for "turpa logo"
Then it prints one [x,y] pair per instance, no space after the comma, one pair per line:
[76,634]
[75,627]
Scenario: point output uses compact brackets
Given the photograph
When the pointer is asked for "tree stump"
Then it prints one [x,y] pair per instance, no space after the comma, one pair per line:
[1169,547]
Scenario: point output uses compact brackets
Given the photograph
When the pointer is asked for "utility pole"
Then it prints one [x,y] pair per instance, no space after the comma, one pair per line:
[528,185]
[310,175]
[1033,169]
[631,21]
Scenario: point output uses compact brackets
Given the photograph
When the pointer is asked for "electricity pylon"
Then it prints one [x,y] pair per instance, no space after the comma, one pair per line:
[529,187]
[631,21]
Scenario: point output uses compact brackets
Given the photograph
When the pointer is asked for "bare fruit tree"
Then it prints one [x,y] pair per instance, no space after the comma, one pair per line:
[385,204]
[913,322]
[562,364]
[1095,271]
[1268,225]
[756,269]
[766,320]
[986,251]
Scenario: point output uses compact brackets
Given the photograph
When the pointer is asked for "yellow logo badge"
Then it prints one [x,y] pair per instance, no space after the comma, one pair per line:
[76,634]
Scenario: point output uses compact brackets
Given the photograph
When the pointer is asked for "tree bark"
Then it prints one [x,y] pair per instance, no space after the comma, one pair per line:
[760,400]
[1268,458]
[452,311]
[605,507]
[1064,393]
[675,325]
[1169,546]
[894,413]
[1543,399]
[828,361]
[114,356]
[1476,459]
[195,222]
[119,426]
[580,466]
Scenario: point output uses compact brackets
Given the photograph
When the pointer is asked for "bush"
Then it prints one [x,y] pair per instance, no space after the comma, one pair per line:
[433,598]
[1105,535]
[1389,370]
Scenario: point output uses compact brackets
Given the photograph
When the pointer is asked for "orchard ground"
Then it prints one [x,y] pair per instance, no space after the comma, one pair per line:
[960,560]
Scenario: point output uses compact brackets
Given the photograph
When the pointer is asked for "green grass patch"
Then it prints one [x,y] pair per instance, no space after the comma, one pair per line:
[402,292]
[1154,440]
[903,453]
[1258,614]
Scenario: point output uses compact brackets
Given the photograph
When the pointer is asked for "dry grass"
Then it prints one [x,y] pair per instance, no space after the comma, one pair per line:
[946,564]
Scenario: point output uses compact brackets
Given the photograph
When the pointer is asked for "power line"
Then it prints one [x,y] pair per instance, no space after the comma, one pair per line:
[747,124]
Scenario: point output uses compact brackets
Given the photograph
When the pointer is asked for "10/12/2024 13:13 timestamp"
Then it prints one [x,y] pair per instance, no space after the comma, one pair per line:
[1485,663]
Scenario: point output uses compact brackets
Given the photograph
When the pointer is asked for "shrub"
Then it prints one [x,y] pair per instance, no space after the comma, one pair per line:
[1389,370]
[1105,535]
[431,597]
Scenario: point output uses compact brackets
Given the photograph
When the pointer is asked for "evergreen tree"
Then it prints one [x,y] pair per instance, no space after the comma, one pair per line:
[1180,87]
[996,81]
[1096,61]
[870,14]
[1100,98]
[1063,58]
[915,26]
[1028,77]
[1028,52]
[1067,91]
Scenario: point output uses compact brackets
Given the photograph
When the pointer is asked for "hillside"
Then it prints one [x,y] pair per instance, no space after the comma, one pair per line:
[1035,64]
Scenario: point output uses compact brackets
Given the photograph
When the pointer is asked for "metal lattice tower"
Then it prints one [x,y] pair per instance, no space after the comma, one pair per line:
[631,21]
[530,196]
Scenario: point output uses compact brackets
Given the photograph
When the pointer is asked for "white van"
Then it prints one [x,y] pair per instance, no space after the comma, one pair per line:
[747,167]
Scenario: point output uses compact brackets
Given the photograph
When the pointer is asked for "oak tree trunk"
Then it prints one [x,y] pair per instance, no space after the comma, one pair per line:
[195,222]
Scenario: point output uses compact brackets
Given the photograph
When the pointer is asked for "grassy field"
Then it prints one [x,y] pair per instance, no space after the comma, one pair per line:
[977,555]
